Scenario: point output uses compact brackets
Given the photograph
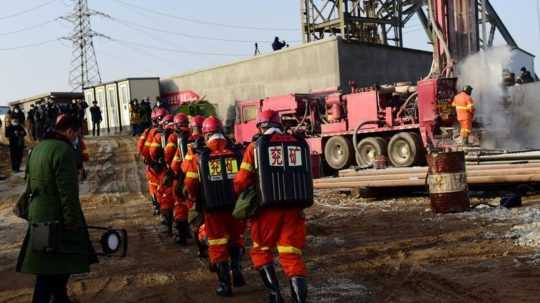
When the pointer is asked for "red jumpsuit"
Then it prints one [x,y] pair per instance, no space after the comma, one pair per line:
[174,159]
[283,228]
[164,192]
[222,229]
[143,146]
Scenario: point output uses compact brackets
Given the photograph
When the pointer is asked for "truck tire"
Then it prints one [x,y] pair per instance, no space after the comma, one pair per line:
[404,149]
[368,149]
[338,152]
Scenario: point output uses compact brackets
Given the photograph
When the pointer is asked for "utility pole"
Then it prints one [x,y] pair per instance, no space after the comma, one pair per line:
[84,69]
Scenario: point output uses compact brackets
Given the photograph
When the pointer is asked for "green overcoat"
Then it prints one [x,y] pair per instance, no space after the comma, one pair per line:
[54,185]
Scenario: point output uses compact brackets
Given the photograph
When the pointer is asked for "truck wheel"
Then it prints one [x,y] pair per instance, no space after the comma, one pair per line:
[404,149]
[368,149]
[338,152]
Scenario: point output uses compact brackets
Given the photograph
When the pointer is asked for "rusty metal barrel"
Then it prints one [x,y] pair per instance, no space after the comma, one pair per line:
[447,182]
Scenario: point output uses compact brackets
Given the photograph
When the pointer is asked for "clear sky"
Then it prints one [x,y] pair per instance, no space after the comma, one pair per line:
[146,43]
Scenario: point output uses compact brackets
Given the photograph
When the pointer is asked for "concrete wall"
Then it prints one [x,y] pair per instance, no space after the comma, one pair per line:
[298,69]
[324,64]
[521,117]
[371,64]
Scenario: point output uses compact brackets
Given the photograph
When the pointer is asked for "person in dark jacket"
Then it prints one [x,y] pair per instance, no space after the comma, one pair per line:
[95,112]
[53,183]
[15,134]
[525,76]
[31,118]
[277,45]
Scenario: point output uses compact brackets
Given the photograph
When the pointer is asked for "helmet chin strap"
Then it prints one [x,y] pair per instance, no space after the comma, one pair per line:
[272,130]
[216,137]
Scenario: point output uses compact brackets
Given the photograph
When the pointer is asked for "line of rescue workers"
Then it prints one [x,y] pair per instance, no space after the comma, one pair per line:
[203,188]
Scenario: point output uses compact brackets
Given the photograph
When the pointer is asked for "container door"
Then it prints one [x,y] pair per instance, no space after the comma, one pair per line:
[89,98]
[123,91]
[102,103]
[112,102]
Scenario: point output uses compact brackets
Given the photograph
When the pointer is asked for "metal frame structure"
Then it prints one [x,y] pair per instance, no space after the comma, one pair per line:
[382,21]
[84,70]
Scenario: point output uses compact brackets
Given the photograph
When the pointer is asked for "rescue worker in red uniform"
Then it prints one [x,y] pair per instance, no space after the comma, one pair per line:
[143,146]
[277,223]
[175,150]
[216,166]
[180,166]
[464,104]
[164,191]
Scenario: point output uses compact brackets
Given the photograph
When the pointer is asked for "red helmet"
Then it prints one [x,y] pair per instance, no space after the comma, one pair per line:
[212,125]
[181,120]
[269,118]
[168,119]
[196,121]
[160,113]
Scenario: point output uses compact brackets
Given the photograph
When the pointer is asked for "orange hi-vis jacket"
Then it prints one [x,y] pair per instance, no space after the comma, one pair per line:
[180,166]
[147,144]
[245,176]
[170,148]
[142,140]
[464,105]
[157,147]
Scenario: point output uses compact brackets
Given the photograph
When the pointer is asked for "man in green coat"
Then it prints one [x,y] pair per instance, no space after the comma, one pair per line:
[53,183]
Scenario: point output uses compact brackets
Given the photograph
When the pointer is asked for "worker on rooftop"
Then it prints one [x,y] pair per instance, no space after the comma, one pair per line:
[525,76]
[277,45]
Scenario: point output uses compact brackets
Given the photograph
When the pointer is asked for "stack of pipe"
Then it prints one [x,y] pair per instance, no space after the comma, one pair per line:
[416,176]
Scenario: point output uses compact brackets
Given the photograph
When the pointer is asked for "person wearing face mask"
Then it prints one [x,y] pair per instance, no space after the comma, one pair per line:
[18,114]
[15,134]
[54,195]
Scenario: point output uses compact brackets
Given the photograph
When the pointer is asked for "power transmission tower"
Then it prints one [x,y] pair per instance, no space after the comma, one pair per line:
[84,70]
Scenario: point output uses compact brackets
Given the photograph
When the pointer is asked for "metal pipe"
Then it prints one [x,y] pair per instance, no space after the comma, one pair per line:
[484,25]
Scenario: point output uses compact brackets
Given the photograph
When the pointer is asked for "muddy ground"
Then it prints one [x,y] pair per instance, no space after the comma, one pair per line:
[389,249]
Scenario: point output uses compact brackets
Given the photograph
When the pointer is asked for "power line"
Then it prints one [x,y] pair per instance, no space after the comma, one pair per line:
[183,51]
[197,21]
[125,22]
[28,45]
[27,10]
[31,27]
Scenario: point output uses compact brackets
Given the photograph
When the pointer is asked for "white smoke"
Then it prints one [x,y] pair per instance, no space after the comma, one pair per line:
[484,72]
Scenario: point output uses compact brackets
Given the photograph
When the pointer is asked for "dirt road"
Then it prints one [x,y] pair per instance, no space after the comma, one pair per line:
[388,250]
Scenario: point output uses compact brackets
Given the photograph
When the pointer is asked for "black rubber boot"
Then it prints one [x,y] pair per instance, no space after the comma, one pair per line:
[270,280]
[179,233]
[155,204]
[224,288]
[187,230]
[236,253]
[166,223]
[203,248]
[298,289]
